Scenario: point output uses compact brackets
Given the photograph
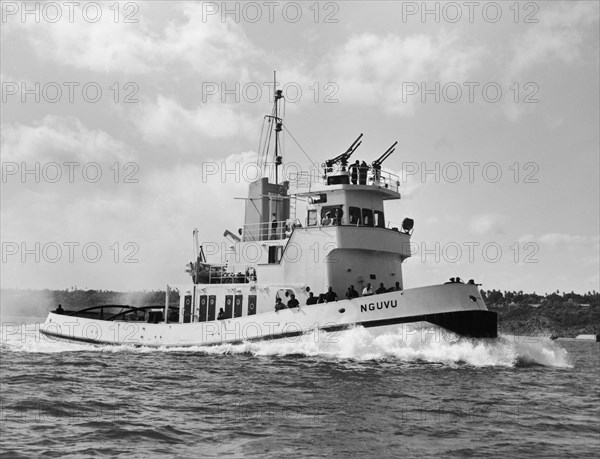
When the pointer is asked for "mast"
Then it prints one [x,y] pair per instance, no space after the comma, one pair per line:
[272,122]
[268,203]
[278,125]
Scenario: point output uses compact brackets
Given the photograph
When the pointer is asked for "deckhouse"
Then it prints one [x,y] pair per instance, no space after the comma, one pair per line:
[342,237]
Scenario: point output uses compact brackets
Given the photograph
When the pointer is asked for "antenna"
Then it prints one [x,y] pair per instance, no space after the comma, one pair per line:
[276,122]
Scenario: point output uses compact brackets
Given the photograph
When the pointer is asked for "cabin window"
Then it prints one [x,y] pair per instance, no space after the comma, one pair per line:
[367,215]
[336,214]
[312,218]
[338,179]
[355,216]
[379,220]
[321,199]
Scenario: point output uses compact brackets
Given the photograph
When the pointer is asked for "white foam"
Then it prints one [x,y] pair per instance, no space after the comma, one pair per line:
[427,344]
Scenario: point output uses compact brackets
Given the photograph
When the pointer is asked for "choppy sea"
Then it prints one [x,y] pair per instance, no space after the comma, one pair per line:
[344,394]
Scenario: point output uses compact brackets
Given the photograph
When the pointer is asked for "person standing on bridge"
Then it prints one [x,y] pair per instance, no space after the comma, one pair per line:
[362,173]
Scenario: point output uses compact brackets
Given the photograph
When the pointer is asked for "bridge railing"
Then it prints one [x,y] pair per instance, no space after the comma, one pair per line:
[304,180]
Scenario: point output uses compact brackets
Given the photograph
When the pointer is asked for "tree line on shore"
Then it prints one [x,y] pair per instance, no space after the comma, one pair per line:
[499,297]
[558,314]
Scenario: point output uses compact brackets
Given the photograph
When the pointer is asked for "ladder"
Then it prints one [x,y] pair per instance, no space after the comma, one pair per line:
[293,199]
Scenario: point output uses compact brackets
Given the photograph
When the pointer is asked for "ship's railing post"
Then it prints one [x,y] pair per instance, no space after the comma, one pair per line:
[385,179]
[265,232]
[167,304]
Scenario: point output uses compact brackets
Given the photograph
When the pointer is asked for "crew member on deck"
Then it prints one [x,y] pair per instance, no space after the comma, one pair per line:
[279,305]
[367,291]
[331,295]
[351,293]
[312,299]
[354,172]
[59,310]
[293,303]
[381,289]
[327,220]
[337,220]
[274,226]
[362,173]
[221,315]
[376,173]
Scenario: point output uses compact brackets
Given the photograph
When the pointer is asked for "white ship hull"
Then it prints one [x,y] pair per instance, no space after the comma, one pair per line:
[457,308]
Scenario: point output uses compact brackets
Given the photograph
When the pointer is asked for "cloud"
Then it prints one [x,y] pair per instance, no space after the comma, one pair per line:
[409,181]
[149,45]
[370,68]
[488,224]
[61,138]
[557,36]
[156,215]
[569,240]
[166,122]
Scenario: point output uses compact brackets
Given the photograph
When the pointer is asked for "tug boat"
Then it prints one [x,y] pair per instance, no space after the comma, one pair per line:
[306,239]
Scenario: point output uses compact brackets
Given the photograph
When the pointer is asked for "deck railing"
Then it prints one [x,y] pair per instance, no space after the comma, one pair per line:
[269,231]
[304,180]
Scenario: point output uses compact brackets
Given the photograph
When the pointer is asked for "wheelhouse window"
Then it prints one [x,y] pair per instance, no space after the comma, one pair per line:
[355,217]
[332,215]
[367,216]
[379,220]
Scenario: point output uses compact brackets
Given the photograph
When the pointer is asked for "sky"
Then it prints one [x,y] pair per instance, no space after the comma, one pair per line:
[123,129]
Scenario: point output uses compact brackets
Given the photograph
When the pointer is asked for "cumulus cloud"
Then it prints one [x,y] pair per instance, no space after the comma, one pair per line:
[557,36]
[166,121]
[569,240]
[111,46]
[370,68]
[156,215]
[61,138]
[488,224]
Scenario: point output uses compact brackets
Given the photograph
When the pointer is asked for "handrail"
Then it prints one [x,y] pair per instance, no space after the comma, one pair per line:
[125,309]
[133,309]
[269,231]
[376,177]
[91,308]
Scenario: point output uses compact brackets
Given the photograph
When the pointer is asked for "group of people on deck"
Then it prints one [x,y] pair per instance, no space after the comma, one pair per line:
[330,296]
[332,220]
[359,172]
[458,280]
[368,290]
[292,303]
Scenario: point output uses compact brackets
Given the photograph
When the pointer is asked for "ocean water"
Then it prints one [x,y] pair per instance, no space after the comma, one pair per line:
[350,393]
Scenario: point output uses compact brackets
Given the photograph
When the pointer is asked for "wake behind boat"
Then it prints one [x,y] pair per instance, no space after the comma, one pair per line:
[334,266]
